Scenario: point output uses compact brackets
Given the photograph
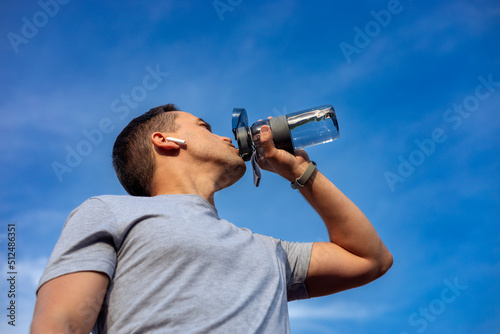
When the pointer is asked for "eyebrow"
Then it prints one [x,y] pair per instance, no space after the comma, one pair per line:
[208,125]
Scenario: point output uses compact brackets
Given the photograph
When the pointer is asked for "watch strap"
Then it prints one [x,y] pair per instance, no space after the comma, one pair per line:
[301,181]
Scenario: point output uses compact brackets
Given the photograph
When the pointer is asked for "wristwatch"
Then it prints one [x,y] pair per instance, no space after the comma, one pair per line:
[301,181]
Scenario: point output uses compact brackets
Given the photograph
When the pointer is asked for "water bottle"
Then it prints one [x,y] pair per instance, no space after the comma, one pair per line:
[290,132]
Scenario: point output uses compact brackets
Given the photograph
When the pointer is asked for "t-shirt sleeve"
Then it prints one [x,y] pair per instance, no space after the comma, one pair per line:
[87,242]
[298,256]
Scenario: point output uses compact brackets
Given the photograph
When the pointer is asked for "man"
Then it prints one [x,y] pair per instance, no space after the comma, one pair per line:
[162,261]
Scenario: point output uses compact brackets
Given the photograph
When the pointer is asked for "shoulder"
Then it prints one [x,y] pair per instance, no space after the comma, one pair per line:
[93,210]
[113,199]
[98,209]
[96,204]
[109,202]
[110,206]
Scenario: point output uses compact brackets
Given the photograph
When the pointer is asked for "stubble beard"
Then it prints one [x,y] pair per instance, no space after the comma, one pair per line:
[231,172]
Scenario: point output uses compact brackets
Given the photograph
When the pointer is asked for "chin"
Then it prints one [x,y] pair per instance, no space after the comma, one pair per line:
[232,174]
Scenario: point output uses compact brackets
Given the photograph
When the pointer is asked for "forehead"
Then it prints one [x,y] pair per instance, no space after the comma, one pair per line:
[187,118]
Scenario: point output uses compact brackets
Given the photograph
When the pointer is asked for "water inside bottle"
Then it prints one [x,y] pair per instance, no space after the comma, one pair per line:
[313,126]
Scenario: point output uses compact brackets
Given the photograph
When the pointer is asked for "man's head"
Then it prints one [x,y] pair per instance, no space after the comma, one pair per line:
[143,155]
[133,156]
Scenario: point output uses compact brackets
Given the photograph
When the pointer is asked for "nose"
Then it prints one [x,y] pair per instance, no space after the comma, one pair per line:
[226,139]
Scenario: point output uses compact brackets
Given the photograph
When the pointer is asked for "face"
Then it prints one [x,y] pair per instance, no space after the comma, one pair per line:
[209,149]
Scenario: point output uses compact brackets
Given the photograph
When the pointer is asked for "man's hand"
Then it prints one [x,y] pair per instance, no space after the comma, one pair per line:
[279,161]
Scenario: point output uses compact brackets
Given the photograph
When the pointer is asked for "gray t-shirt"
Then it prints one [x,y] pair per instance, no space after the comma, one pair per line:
[176,267]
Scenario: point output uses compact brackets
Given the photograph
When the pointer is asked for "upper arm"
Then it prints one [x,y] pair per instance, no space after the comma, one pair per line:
[69,303]
[333,269]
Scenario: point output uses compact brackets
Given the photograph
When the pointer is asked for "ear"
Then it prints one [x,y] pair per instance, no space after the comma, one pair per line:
[159,140]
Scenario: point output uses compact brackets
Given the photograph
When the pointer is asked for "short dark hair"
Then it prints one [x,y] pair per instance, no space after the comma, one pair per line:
[133,157]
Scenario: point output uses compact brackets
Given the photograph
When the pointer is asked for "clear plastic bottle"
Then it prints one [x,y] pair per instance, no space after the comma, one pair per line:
[290,132]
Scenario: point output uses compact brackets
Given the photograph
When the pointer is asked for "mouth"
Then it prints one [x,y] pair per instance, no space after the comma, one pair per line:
[235,149]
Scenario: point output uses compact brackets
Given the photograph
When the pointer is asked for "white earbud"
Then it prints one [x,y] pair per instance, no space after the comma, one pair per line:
[175,140]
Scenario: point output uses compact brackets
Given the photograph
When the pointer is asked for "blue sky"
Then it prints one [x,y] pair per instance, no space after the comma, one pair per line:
[416,88]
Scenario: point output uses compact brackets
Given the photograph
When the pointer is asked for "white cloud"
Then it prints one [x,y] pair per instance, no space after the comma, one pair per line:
[31,271]
[41,220]
[340,310]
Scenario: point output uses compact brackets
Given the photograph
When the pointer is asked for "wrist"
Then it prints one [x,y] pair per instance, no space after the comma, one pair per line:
[297,171]
[301,180]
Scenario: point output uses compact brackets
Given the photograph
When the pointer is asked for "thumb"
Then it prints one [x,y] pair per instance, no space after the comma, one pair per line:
[266,138]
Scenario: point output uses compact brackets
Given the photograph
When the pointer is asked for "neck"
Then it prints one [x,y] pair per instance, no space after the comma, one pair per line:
[184,181]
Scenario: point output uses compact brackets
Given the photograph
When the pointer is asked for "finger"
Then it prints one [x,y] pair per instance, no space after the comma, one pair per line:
[266,138]
[302,153]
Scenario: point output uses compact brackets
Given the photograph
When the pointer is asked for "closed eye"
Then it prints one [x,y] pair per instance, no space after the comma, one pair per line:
[205,124]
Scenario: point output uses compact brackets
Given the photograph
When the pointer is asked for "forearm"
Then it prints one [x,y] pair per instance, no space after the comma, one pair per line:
[347,226]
